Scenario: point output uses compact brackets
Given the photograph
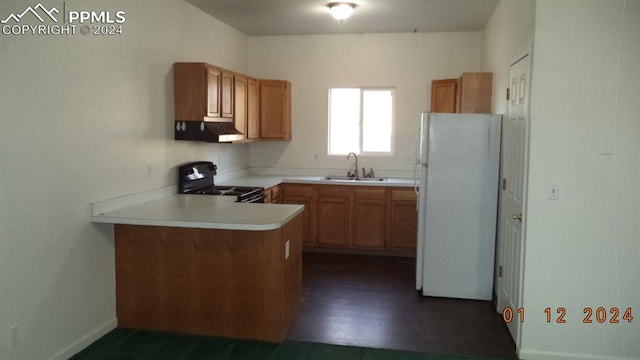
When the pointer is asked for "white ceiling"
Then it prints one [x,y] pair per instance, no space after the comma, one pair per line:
[304,17]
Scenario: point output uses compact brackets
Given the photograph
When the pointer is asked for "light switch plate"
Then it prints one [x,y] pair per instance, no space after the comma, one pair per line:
[607,145]
[553,191]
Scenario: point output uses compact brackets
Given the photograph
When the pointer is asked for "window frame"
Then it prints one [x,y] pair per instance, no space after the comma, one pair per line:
[360,151]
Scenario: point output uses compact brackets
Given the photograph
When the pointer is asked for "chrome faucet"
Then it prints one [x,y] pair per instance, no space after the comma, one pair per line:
[355,174]
[366,174]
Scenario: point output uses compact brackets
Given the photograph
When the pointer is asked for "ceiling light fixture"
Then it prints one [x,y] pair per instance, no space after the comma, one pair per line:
[341,10]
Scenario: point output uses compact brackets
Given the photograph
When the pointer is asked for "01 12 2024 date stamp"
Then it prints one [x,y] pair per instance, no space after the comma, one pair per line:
[591,315]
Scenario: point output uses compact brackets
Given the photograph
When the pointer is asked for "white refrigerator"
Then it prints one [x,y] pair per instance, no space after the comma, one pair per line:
[458,157]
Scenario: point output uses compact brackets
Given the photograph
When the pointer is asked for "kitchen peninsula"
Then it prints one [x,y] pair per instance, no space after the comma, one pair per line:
[207,265]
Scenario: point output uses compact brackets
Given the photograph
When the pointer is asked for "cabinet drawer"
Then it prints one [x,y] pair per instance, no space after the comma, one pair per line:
[333,191]
[369,193]
[297,190]
[403,194]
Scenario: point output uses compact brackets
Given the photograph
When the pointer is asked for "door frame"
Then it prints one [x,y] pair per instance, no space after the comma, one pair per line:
[526,50]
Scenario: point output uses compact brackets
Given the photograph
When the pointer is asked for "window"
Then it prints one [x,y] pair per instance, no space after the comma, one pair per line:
[360,120]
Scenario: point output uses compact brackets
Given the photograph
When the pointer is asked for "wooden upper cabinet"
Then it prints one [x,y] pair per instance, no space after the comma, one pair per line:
[475,92]
[471,93]
[226,95]
[241,103]
[214,82]
[275,110]
[202,92]
[260,109]
[195,92]
[253,109]
[444,95]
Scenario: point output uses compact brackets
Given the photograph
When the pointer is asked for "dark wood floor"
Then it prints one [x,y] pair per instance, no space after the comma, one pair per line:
[371,301]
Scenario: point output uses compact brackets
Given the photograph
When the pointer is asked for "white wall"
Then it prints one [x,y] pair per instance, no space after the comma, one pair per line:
[314,63]
[581,251]
[509,29]
[82,118]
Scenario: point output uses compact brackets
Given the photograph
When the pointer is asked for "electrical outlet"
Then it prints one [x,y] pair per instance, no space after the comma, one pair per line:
[14,335]
[287,249]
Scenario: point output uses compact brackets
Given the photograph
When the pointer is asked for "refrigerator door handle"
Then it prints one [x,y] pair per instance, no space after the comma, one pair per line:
[416,144]
[416,189]
[416,164]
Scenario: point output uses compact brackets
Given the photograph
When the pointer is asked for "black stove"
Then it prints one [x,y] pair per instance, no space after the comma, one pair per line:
[197,178]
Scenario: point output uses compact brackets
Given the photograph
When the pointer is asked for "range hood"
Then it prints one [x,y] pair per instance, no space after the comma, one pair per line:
[218,130]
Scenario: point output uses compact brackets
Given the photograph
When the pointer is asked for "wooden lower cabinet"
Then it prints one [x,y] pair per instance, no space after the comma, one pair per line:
[228,283]
[369,223]
[355,217]
[403,219]
[333,216]
[272,195]
[303,195]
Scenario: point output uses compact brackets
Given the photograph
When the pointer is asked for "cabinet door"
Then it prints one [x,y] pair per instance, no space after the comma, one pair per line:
[240,102]
[308,236]
[275,110]
[190,89]
[444,95]
[275,194]
[214,81]
[272,195]
[268,196]
[226,97]
[333,222]
[253,109]
[303,195]
[475,92]
[334,216]
[403,219]
[369,218]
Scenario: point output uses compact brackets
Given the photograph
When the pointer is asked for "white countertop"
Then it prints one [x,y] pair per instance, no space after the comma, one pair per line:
[267,181]
[200,211]
[161,207]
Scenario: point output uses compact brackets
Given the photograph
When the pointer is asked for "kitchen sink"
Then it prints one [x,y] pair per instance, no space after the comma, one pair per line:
[350,178]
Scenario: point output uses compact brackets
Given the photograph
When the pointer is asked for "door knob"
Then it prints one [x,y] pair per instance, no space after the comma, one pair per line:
[517,217]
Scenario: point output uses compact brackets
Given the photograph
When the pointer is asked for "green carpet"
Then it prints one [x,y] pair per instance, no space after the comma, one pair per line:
[125,344]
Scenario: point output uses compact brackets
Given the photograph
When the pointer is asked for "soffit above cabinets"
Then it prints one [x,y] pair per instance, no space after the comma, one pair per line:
[308,17]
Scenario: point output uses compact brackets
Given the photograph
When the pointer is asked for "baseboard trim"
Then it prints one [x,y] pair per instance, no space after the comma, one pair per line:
[408,253]
[85,341]
[548,355]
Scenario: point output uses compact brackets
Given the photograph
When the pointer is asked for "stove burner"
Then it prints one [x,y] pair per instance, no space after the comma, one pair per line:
[202,184]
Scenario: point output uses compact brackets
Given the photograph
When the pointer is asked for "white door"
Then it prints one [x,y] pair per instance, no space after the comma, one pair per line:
[512,200]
